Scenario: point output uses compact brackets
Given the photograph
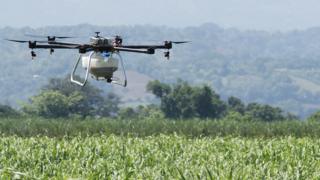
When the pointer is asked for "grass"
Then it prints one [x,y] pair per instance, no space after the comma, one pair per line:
[159,157]
[156,148]
[30,127]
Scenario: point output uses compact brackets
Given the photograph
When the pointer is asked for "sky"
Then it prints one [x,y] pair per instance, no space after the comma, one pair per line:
[269,15]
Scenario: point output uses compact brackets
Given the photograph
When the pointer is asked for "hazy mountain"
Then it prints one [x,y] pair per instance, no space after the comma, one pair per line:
[282,69]
[269,15]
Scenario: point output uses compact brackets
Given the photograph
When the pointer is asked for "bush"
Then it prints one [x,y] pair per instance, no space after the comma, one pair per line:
[50,104]
[314,117]
[60,98]
[181,100]
[7,111]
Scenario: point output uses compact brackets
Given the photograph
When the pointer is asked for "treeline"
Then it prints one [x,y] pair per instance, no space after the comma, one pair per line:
[62,99]
[63,109]
[181,101]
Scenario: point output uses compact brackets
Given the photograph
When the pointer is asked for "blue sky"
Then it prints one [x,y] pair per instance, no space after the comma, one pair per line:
[271,15]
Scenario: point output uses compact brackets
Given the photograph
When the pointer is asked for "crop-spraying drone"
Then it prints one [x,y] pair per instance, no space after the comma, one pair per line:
[100,57]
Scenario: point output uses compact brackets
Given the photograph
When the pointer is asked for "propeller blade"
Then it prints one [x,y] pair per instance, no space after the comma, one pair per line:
[43,36]
[18,41]
[35,36]
[24,41]
[119,36]
[64,37]
[180,42]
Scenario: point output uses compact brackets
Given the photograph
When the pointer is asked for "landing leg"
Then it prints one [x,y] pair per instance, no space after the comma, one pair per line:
[124,84]
[87,73]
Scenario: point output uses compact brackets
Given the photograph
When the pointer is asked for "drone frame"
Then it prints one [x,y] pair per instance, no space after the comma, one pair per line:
[92,48]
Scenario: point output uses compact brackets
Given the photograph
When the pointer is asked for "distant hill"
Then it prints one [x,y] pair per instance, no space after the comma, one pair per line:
[281,69]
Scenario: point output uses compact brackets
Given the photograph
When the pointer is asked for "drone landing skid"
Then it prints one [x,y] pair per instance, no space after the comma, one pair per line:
[124,84]
[87,72]
[115,80]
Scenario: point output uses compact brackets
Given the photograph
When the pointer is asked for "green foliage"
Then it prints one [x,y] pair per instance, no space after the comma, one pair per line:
[61,98]
[158,157]
[128,113]
[184,101]
[158,89]
[233,124]
[49,104]
[150,111]
[109,106]
[264,112]
[140,112]
[235,104]
[178,104]
[314,117]
[7,111]
[236,116]
[207,103]
[93,102]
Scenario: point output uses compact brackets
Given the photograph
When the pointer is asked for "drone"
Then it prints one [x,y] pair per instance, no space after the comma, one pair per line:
[100,57]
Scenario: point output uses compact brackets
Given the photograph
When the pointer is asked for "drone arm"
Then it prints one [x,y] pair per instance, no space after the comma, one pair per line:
[167,45]
[144,46]
[145,51]
[63,43]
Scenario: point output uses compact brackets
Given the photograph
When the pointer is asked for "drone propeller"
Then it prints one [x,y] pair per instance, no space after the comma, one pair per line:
[43,36]
[179,42]
[24,41]
[116,36]
[50,38]
[18,41]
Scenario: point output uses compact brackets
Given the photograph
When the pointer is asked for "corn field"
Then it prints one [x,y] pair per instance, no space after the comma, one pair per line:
[159,157]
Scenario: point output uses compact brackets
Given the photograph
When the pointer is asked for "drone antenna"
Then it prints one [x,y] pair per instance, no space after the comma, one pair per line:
[97,34]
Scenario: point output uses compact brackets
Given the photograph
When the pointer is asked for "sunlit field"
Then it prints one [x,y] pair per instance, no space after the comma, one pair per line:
[161,157]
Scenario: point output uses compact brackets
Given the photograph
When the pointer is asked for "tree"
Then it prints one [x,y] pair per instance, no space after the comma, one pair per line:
[127,112]
[235,104]
[315,117]
[181,100]
[178,103]
[150,111]
[109,106]
[49,104]
[169,107]
[61,98]
[91,100]
[207,103]
[158,89]
[264,112]
[184,101]
[7,111]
